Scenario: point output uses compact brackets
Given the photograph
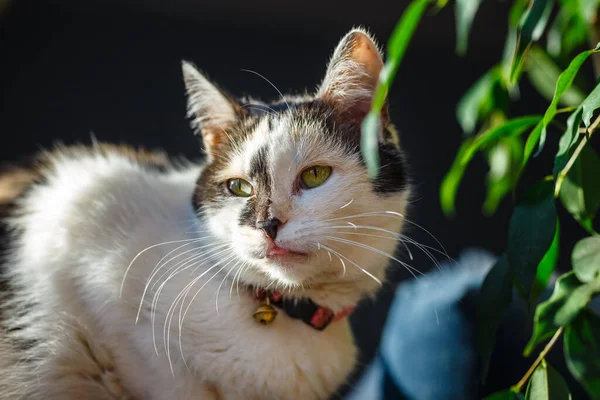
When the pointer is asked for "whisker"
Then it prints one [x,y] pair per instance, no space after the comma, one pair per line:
[353,263]
[171,311]
[160,288]
[182,317]
[330,260]
[142,252]
[375,250]
[394,214]
[259,108]
[270,83]
[221,284]
[158,268]
[347,204]
[192,258]
[406,239]
[237,285]
[403,237]
[236,276]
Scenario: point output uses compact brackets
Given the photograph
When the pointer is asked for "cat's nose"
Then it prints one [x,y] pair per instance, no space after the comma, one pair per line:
[269,226]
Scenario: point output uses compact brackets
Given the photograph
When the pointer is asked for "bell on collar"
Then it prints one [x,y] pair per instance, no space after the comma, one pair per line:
[265,314]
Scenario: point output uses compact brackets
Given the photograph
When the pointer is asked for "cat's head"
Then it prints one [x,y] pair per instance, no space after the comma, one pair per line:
[285,187]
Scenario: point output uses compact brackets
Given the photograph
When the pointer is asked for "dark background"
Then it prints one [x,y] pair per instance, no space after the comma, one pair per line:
[72,68]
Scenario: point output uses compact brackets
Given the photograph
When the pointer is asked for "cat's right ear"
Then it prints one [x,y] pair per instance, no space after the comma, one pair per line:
[352,76]
[210,110]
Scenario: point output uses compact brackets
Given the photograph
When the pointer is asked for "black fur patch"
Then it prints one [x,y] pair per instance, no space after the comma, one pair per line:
[392,174]
[248,214]
[259,168]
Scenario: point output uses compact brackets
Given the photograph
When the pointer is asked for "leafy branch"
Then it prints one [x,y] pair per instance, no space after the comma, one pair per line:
[519,386]
[546,44]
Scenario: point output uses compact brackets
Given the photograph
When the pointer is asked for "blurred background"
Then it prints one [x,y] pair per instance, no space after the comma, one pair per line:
[70,69]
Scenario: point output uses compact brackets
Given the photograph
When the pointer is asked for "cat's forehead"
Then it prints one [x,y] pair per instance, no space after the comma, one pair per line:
[283,139]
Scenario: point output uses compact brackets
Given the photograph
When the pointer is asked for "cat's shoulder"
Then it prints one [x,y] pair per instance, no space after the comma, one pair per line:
[75,190]
[73,169]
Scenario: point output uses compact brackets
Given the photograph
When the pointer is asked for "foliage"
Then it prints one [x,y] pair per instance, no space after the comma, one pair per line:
[552,45]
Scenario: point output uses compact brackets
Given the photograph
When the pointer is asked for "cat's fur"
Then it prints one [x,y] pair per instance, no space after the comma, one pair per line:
[104,239]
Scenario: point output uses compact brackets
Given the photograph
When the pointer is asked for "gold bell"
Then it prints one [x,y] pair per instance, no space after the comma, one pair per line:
[265,314]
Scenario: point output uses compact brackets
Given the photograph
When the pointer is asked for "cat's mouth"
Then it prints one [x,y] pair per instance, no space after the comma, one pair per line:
[275,252]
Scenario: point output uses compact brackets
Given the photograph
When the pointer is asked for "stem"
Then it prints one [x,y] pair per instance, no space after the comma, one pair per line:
[563,173]
[517,388]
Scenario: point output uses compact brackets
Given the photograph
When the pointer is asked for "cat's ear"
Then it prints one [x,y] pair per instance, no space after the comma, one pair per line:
[210,110]
[352,76]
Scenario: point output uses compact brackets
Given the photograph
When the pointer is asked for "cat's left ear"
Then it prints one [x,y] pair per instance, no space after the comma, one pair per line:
[212,111]
[352,76]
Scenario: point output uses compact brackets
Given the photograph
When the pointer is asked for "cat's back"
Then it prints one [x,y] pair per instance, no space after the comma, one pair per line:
[71,184]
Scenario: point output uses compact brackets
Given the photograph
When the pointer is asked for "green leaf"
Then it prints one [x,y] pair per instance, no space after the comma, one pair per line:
[532,141]
[586,259]
[494,299]
[531,233]
[513,127]
[543,74]
[369,143]
[396,48]
[505,395]
[531,27]
[590,104]
[570,296]
[566,142]
[568,31]
[563,83]
[582,351]
[465,11]
[580,192]
[452,180]
[499,181]
[516,13]
[545,268]
[547,384]
[478,101]
[505,161]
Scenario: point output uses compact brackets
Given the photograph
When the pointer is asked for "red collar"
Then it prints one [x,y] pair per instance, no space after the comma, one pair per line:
[304,309]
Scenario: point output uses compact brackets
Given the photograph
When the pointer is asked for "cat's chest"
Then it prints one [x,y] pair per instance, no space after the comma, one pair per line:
[230,356]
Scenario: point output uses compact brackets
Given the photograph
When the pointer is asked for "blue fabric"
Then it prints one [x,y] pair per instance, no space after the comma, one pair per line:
[427,350]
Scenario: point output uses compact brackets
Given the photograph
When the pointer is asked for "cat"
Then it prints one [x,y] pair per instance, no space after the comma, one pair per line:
[129,275]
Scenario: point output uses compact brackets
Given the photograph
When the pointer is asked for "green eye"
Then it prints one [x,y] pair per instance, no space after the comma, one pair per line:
[240,187]
[314,176]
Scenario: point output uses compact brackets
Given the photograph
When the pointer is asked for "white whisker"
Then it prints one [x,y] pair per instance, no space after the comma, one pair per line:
[270,83]
[143,251]
[347,204]
[395,214]
[375,250]
[353,263]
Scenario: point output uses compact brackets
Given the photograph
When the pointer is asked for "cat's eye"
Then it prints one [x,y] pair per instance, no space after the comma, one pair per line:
[314,176]
[240,187]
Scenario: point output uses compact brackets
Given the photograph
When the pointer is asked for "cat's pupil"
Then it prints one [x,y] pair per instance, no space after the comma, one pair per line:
[315,172]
